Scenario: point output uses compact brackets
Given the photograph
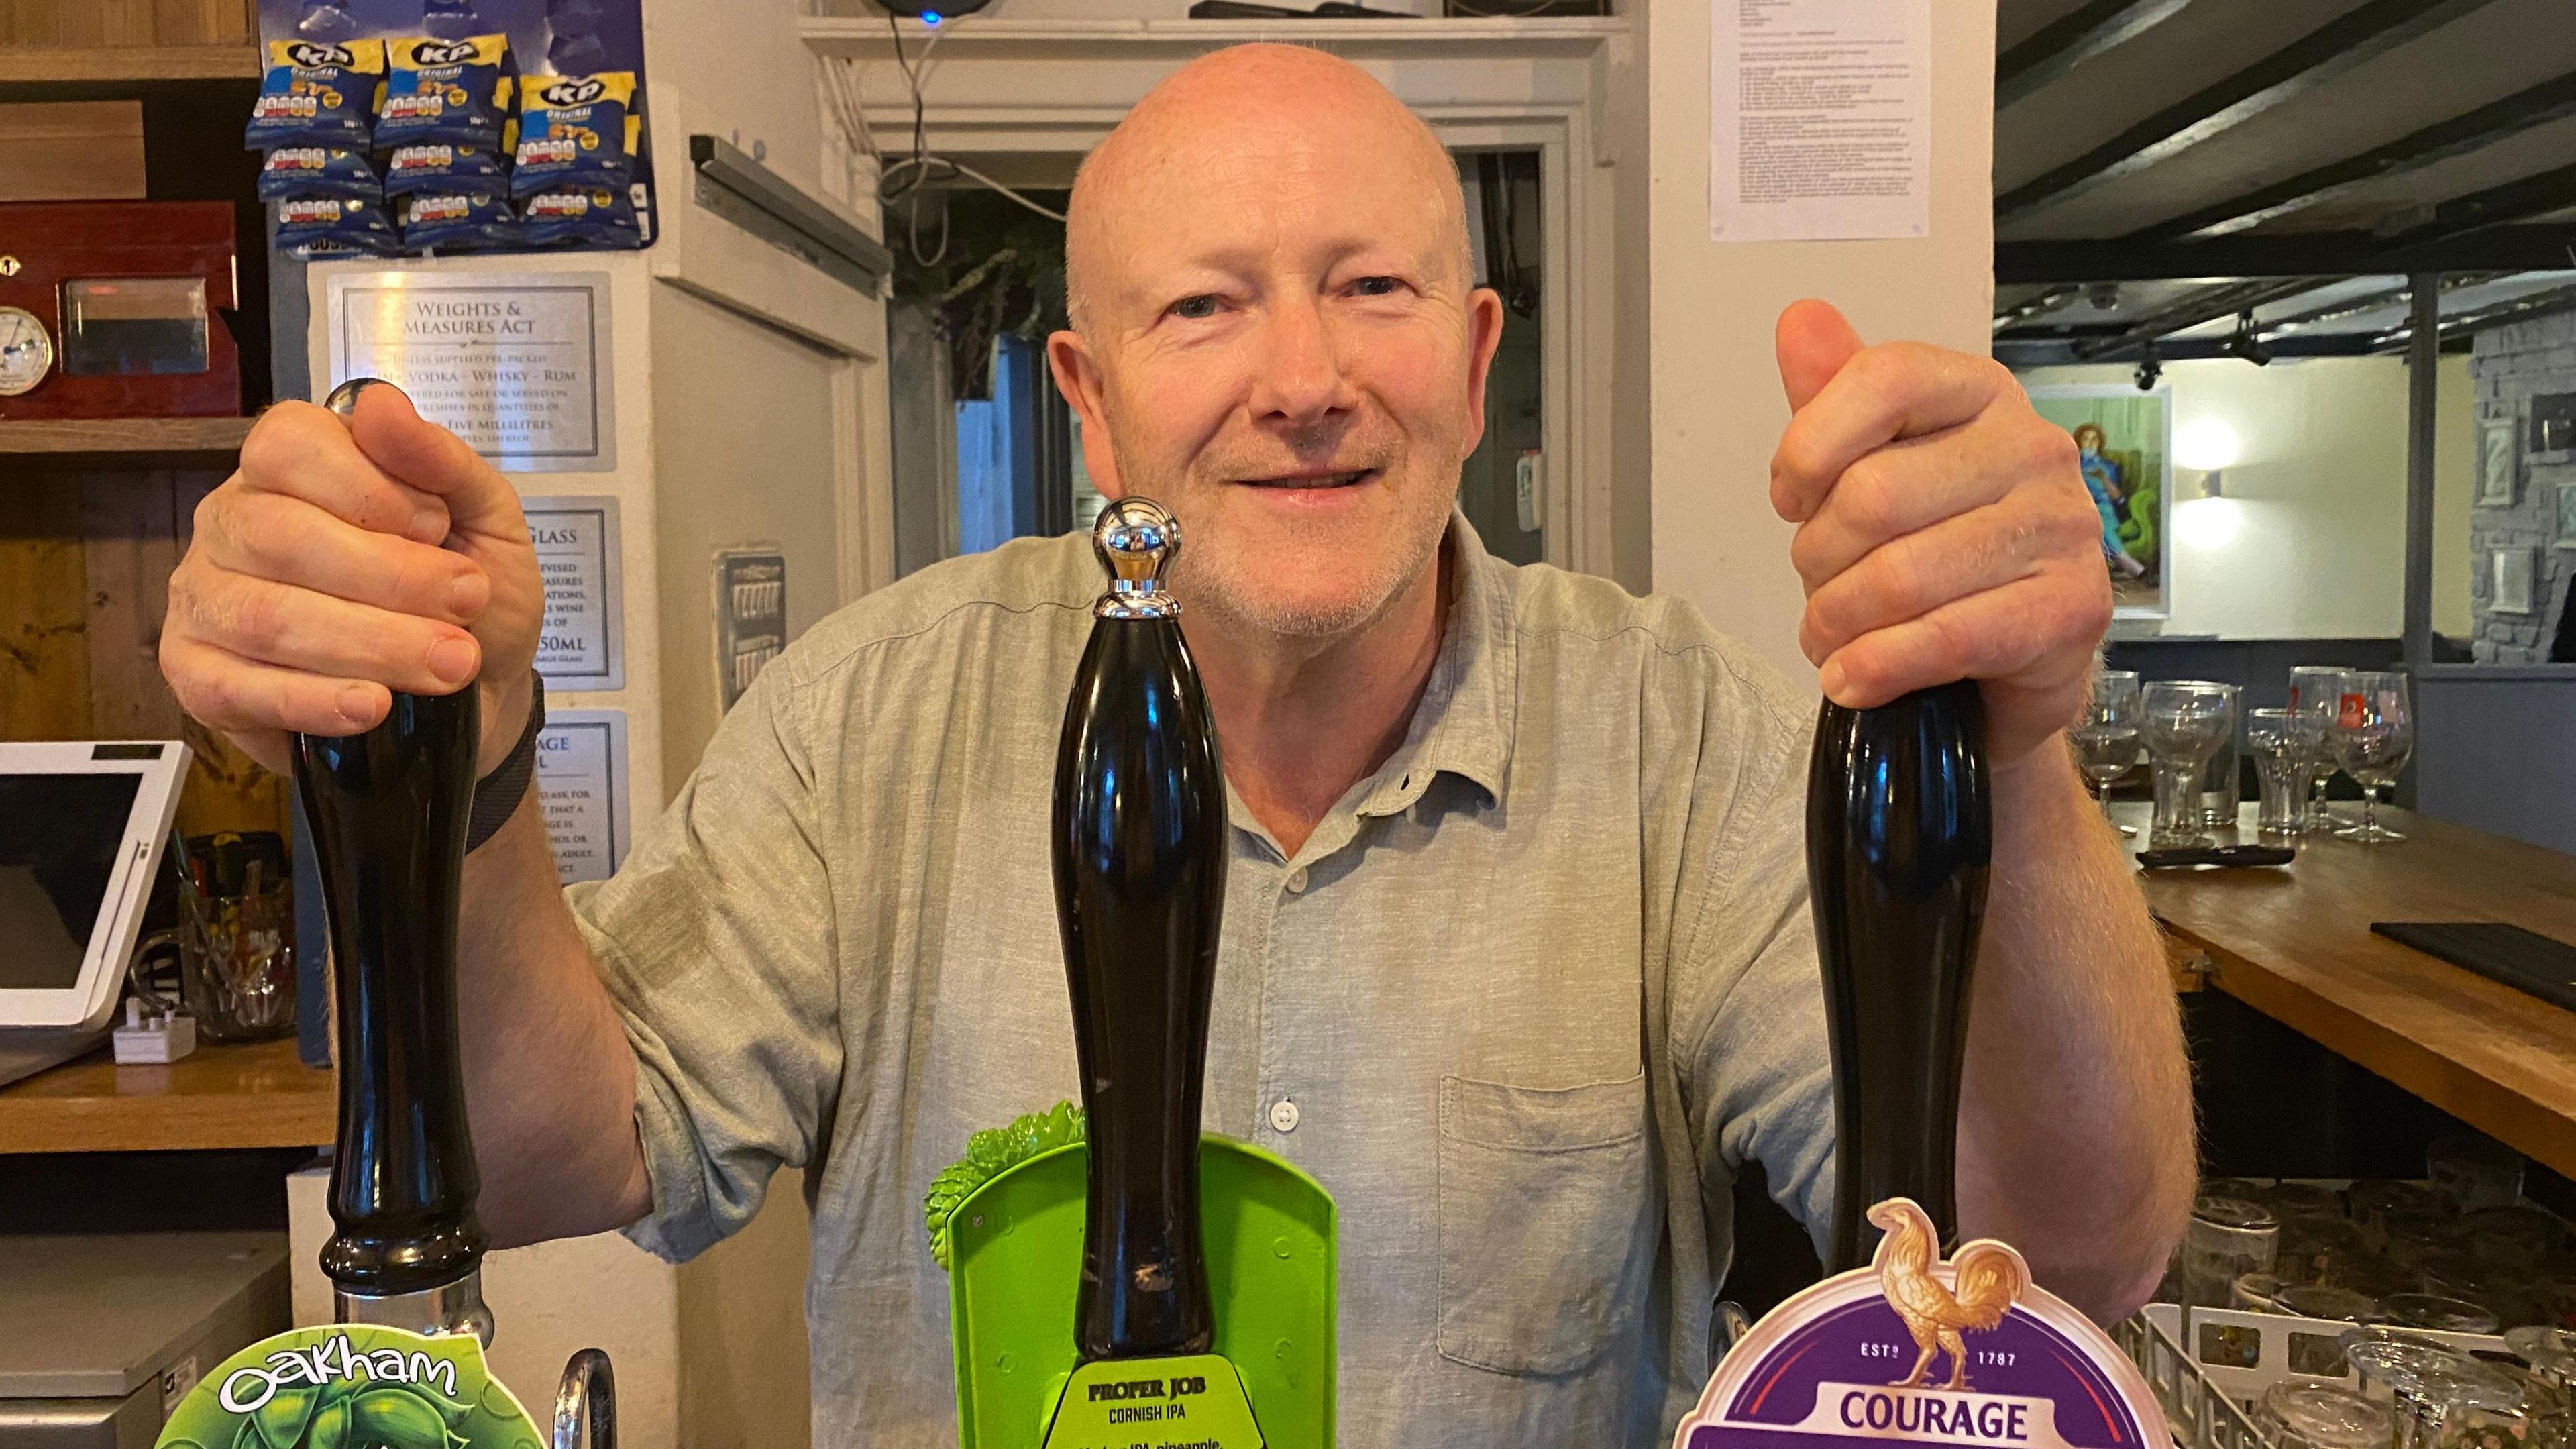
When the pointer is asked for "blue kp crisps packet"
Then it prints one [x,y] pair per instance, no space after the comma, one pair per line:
[575,131]
[317,93]
[316,171]
[311,226]
[441,167]
[444,90]
[459,220]
[597,216]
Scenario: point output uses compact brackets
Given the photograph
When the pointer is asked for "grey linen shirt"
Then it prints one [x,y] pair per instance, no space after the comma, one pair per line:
[1535,988]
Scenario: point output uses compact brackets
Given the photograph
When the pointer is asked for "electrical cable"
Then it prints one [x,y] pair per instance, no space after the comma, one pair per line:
[907,176]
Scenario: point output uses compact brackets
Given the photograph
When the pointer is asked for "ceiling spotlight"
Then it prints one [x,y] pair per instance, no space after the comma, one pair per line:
[2150,367]
[2246,344]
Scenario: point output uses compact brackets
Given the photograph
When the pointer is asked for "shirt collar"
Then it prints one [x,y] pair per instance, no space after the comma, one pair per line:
[1463,725]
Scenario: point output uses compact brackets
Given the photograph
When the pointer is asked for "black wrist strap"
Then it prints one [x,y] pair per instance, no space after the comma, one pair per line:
[497,795]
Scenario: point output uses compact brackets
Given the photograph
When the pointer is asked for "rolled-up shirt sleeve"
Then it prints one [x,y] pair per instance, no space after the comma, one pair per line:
[716,940]
[1751,1046]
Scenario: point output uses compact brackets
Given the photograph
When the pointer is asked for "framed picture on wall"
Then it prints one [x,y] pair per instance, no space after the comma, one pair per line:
[2497,457]
[2511,591]
[2124,448]
[2566,537]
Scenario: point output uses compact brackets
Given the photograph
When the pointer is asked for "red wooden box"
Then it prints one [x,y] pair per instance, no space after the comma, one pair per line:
[136,354]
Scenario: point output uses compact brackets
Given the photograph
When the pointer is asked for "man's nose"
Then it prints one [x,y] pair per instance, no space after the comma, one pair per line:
[1300,380]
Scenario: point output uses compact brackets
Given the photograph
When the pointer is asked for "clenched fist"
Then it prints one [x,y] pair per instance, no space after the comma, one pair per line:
[346,561]
[1943,531]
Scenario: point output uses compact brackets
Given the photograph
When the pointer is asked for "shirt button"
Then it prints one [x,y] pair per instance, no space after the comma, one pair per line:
[1296,887]
[1283,1115]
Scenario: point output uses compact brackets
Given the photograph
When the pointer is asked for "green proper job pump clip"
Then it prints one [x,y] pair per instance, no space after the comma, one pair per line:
[1196,1402]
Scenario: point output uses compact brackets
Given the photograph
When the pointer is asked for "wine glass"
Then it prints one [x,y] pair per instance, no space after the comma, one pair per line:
[2373,734]
[2316,695]
[2105,739]
[2181,722]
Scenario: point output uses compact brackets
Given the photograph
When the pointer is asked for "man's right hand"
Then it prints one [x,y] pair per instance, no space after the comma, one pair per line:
[346,561]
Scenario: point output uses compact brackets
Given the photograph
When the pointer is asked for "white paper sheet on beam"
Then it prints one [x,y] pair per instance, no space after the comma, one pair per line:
[1820,119]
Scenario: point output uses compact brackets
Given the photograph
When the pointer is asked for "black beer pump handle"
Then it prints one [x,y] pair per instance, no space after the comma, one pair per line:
[388,810]
[1900,836]
[1139,845]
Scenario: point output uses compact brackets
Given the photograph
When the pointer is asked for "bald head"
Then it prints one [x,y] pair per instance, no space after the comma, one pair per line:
[1299,116]
[1278,335]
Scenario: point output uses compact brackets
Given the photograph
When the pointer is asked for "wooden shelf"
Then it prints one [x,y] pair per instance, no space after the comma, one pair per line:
[1058,40]
[195,438]
[255,1095]
[106,65]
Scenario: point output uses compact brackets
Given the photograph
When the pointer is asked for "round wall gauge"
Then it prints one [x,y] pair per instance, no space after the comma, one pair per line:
[26,351]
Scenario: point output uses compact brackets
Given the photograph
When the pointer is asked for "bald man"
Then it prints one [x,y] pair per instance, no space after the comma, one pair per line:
[1516,956]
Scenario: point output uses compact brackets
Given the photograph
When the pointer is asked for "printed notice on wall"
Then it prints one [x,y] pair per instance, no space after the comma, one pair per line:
[580,644]
[517,366]
[581,787]
[1820,119]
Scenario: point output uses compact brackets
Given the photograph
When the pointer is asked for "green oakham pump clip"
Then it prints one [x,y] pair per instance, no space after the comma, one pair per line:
[1117,1280]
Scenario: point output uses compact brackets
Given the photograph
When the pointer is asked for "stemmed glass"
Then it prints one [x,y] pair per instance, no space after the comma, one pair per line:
[2316,696]
[2106,738]
[2373,734]
[2181,722]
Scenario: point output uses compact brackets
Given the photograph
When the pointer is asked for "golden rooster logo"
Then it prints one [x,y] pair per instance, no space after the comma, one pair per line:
[1986,1278]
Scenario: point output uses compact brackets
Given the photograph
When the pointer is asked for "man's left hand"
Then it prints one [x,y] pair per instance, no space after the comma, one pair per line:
[1943,530]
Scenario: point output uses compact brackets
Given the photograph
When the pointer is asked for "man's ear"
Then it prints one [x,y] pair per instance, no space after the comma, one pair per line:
[1484,334]
[1077,376]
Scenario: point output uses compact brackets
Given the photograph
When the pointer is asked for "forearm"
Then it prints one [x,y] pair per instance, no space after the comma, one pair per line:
[550,1081]
[2076,1137]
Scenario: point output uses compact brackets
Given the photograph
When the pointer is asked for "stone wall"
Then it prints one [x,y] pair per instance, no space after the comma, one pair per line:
[2511,366]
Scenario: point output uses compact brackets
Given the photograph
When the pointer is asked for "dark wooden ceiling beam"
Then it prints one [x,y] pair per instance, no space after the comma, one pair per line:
[2341,253]
[2207,304]
[2378,299]
[2480,211]
[2330,50]
[2072,39]
[2020,352]
[2029,307]
[2363,303]
[2554,302]
[2473,131]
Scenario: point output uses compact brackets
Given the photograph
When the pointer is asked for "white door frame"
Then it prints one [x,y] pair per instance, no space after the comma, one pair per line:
[1001,88]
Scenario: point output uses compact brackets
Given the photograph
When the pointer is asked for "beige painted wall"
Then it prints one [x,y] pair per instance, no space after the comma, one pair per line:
[1716,406]
[2309,541]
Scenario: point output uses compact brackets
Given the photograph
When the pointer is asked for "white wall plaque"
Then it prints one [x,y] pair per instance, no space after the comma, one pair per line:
[581,787]
[517,366]
[2511,591]
[582,643]
[2496,457]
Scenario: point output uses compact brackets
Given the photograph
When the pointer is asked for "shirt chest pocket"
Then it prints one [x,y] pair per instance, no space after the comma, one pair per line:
[1546,1233]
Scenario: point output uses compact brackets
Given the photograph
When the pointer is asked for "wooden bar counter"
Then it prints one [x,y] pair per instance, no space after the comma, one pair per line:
[2296,944]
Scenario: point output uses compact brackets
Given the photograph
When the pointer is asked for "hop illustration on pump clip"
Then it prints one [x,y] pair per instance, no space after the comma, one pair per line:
[988,1154]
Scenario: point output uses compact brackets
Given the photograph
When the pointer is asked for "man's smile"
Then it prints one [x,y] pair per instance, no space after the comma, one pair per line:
[1312,478]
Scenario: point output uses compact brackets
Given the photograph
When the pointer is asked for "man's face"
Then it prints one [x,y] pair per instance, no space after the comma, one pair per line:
[1283,346]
